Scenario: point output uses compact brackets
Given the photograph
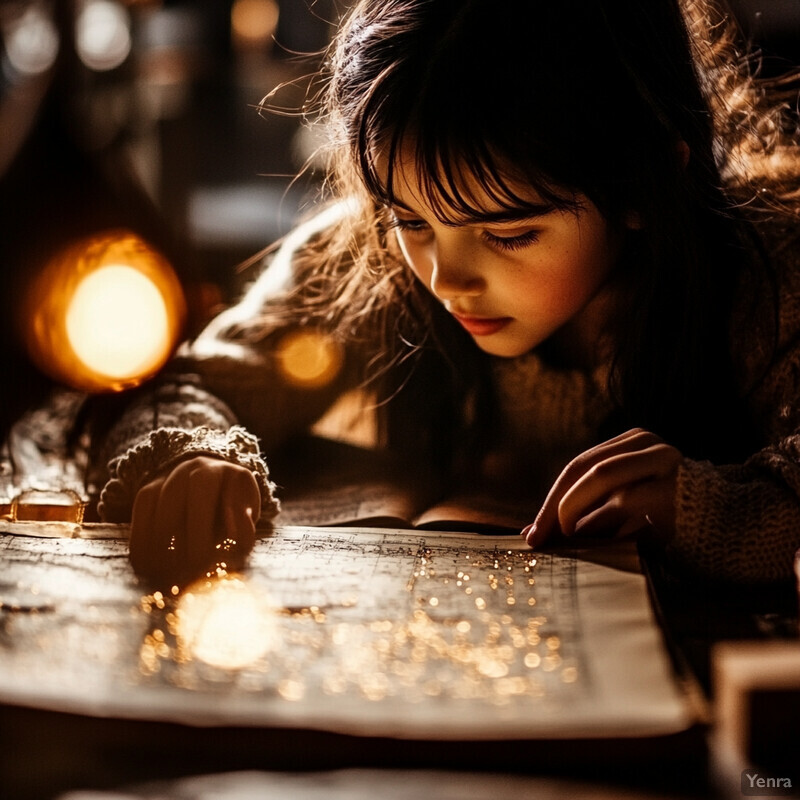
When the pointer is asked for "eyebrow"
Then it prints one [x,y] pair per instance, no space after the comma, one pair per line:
[503,215]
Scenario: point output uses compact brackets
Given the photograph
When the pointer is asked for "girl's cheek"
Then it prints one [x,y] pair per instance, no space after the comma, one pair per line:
[404,249]
[416,259]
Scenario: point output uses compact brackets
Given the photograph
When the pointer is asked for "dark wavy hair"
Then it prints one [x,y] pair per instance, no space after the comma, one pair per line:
[592,97]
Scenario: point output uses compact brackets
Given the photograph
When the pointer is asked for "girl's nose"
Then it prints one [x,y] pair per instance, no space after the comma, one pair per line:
[453,276]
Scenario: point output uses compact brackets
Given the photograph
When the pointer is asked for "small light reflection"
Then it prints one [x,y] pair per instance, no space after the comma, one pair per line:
[309,359]
[500,656]
[31,41]
[569,674]
[291,689]
[225,623]
[103,34]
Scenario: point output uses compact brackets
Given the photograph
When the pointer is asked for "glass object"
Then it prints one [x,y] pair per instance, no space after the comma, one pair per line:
[45,505]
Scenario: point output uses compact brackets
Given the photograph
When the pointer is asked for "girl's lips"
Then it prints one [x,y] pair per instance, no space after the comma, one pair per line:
[482,326]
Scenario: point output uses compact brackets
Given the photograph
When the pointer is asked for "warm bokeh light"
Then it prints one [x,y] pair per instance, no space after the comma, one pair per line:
[31,40]
[103,34]
[119,299]
[309,359]
[105,313]
[225,622]
[254,21]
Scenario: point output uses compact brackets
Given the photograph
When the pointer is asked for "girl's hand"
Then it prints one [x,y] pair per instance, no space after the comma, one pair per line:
[616,489]
[200,515]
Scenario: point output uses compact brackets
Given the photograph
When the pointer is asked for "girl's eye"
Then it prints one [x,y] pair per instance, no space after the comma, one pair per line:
[409,225]
[511,242]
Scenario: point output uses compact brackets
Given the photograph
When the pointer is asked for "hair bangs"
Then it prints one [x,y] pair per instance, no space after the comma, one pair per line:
[461,179]
[406,98]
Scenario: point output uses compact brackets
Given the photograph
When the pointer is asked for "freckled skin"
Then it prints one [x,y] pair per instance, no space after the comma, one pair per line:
[531,277]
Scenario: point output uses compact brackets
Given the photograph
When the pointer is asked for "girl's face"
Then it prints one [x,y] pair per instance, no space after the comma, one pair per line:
[511,280]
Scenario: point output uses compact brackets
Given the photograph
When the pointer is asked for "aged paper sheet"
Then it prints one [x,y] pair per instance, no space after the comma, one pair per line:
[365,631]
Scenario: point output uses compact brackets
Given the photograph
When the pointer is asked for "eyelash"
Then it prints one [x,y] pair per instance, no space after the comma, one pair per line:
[508,243]
[512,242]
[407,225]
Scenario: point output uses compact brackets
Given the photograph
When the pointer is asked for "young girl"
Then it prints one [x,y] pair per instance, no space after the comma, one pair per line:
[560,250]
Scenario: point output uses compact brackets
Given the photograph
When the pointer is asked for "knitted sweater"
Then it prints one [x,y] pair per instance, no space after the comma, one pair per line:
[737,522]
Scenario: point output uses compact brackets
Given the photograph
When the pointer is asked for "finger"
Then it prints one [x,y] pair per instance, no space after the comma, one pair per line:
[169,528]
[238,538]
[253,498]
[618,517]
[203,496]
[608,476]
[537,536]
[238,528]
[242,489]
[547,521]
[141,546]
[644,508]
[248,506]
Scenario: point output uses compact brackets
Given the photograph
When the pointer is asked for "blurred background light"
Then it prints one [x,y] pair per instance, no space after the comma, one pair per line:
[309,359]
[103,34]
[105,313]
[254,22]
[31,41]
[119,300]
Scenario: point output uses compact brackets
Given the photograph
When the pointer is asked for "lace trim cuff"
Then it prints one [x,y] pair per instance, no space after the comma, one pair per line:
[165,447]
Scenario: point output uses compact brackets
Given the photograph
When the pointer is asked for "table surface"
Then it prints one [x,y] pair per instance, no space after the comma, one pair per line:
[47,752]
[70,600]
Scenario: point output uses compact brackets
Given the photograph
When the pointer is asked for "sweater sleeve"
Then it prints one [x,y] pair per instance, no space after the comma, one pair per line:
[738,523]
[227,394]
[742,522]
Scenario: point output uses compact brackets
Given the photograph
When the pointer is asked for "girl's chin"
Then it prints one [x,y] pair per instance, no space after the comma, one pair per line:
[502,349]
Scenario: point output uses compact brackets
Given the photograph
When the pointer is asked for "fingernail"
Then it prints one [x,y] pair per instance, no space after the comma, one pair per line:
[529,532]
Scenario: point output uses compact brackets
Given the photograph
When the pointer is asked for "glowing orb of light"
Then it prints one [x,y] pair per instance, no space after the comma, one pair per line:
[119,299]
[309,359]
[226,623]
[254,21]
[104,314]
[31,41]
[103,34]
